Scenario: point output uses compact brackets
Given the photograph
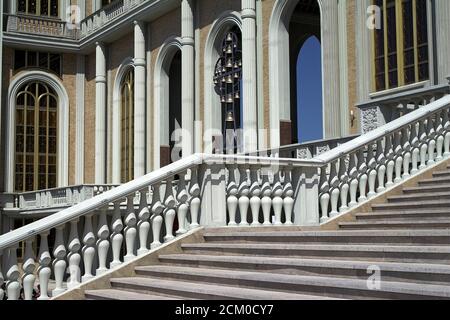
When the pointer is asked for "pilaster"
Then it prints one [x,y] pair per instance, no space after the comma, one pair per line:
[100,114]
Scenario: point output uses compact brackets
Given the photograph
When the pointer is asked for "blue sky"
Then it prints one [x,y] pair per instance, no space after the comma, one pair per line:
[309,91]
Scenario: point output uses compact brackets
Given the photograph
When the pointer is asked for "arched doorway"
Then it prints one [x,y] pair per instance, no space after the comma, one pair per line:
[36,130]
[306,117]
[175,112]
[127,126]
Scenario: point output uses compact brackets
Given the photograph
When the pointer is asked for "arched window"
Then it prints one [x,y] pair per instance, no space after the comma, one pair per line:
[127,126]
[36,137]
[401,44]
[46,8]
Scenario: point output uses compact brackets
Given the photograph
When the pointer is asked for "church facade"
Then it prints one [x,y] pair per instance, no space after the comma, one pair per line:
[95,91]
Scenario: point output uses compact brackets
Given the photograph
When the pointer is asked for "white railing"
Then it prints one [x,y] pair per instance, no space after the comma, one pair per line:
[217,191]
[53,198]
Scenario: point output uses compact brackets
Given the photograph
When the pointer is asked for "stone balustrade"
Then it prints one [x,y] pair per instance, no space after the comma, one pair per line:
[217,191]
[40,26]
[386,108]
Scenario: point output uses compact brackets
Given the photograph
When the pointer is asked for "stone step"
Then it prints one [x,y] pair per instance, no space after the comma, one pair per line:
[390,271]
[427,224]
[113,294]
[441,174]
[435,181]
[424,196]
[431,188]
[273,284]
[425,254]
[412,205]
[196,290]
[404,215]
[354,237]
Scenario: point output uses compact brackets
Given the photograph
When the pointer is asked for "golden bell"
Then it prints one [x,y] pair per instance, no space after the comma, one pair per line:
[229,79]
[229,50]
[230,117]
[230,99]
[229,37]
[229,63]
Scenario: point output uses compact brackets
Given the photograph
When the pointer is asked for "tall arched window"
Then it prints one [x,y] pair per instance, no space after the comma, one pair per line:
[401,44]
[127,126]
[36,137]
[46,8]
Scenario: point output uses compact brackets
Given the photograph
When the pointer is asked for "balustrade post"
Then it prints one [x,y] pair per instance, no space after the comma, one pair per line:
[381,166]
[194,192]
[169,212]
[232,200]
[44,270]
[362,177]
[446,122]
[88,250]
[143,224]
[102,242]
[28,267]
[74,256]
[431,136]
[277,201]
[415,152]
[243,191]
[343,185]
[2,279]
[12,274]
[324,196]
[183,207]
[406,146]
[266,200]
[390,162]
[334,189]
[130,229]
[353,175]
[116,236]
[440,122]
[398,151]
[59,264]
[423,145]
[157,220]
[214,198]
[305,186]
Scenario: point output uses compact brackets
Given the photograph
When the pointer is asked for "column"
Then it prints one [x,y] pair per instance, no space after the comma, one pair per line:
[249,75]
[139,99]
[442,43]
[188,76]
[100,114]
[80,79]
[97,4]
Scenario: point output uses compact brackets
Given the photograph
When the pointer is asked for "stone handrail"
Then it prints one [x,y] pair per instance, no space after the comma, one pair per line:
[39,25]
[218,191]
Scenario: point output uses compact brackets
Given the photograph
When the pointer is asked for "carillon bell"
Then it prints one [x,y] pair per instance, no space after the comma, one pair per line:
[230,99]
[230,117]
[229,79]
[222,99]
[229,50]
[229,37]
[229,63]
[237,96]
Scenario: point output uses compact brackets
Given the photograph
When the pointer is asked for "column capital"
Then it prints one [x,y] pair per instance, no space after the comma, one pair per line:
[99,44]
[139,23]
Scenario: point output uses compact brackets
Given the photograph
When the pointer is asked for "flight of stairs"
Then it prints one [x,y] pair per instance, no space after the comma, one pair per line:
[407,239]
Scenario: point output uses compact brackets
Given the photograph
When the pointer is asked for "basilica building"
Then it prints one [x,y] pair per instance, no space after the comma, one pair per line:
[93,92]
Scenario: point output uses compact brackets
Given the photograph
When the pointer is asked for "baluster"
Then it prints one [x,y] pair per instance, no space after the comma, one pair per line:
[88,250]
[353,176]
[183,207]
[2,280]
[362,169]
[244,192]
[28,268]
[143,224]
[371,165]
[156,219]
[406,146]
[277,200]
[74,256]
[102,242]
[59,264]
[431,136]
[446,122]
[381,166]
[44,270]
[423,145]
[390,162]
[344,186]
[12,274]
[440,122]
[266,201]
[232,200]
[255,191]
[415,152]
[324,196]
[398,157]
[130,229]
[334,189]
[169,212]
[194,191]
[116,236]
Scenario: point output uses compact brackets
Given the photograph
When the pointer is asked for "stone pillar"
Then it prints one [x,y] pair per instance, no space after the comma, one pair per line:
[249,77]
[139,99]
[188,76]
[100,114]
[442,43]
[79,154]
